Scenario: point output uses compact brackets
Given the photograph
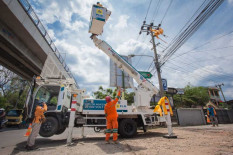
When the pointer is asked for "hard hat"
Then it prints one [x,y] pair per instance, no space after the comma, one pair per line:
[108,99]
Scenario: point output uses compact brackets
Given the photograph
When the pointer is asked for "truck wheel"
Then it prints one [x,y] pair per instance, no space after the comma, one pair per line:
[97,129]
[127,128]
[49,127]
[61,130]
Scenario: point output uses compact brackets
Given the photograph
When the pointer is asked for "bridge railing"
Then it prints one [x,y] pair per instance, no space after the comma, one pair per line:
[31,13]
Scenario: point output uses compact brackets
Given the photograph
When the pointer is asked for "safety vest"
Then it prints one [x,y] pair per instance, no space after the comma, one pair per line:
[164,102]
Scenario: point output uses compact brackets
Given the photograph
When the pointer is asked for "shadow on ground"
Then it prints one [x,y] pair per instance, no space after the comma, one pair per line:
[49,144]
[42,143]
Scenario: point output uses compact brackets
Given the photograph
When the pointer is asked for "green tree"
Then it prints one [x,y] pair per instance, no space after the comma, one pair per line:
[193,96]
[102,93]
[11,85]
[129,97]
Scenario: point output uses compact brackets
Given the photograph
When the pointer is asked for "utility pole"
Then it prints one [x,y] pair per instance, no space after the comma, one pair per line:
[147,28]
[220,87]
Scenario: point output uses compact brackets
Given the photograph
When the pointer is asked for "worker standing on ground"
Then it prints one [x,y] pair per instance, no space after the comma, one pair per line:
[211,113]
[111,117]
[36,124]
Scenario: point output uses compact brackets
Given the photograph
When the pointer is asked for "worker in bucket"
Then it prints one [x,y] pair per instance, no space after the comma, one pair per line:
[39,118]
[98,3]
[111,117]
[211,113]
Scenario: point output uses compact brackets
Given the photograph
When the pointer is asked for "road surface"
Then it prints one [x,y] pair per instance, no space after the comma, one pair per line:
[191,140]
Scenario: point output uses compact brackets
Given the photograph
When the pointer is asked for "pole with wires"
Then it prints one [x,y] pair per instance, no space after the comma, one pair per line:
[154,31]
[157,66]
[147,28]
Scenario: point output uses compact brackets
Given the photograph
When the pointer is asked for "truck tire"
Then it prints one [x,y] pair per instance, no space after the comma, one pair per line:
[49,127]
[61,130]
[127,128]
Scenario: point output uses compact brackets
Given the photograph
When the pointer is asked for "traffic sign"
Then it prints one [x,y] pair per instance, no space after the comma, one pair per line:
[164,82]
[146,75]
[171,91]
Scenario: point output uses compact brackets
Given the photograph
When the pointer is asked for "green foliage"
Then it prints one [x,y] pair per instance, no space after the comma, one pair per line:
[224,105]
[10,90]
[129,97]
[3,102]
[102,93]
[193,96]
[53,100]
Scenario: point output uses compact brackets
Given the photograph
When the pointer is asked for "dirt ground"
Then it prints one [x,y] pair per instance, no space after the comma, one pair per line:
[198,140]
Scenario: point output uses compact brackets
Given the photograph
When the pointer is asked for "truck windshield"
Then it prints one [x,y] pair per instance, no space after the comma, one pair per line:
[14,113]
[47,94]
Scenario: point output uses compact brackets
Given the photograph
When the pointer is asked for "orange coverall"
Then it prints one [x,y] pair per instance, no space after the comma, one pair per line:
[36,124]
[39,113]
[157,32]
[111,116]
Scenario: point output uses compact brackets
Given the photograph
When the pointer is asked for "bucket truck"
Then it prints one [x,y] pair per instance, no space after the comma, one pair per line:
[63,97]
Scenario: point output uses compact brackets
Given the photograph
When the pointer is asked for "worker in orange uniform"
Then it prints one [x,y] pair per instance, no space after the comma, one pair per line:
[36,124]
[111,117]
[157,32]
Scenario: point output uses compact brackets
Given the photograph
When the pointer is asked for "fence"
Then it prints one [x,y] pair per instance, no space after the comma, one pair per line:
[190,116]
[194,116]
[223,116]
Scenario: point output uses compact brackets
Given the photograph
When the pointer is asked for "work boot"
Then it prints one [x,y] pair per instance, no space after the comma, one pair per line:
[115,142]
[30,148]
[107,142]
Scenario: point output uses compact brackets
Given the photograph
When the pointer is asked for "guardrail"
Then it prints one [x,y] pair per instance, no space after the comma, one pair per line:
[31,13]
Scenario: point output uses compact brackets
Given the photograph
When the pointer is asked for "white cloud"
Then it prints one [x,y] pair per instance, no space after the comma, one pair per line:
[230,1]
[130,46]
[121,30]
[122,22]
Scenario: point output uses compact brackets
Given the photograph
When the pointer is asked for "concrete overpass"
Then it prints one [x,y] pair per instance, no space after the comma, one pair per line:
[25,43]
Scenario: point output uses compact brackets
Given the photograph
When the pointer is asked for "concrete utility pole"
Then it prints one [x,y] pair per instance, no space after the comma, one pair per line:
[147,28]
[220,87]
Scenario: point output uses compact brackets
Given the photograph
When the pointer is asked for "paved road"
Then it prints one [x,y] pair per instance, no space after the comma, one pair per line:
[12,138]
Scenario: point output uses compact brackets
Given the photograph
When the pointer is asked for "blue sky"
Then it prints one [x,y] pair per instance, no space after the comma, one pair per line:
[67,23]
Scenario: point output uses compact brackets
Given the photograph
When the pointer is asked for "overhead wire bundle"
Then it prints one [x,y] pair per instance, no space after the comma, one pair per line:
[188,30]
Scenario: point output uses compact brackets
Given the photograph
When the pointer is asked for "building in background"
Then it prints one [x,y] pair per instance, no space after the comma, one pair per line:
[214,96]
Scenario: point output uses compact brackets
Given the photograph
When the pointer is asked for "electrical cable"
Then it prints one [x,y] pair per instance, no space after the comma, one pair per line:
[148,9]
[208,42]
[150,65]
[207,50]
[156,11]
[193,27]
[166,11]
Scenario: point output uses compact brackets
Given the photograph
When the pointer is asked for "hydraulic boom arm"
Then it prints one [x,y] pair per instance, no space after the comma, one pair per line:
[124,65]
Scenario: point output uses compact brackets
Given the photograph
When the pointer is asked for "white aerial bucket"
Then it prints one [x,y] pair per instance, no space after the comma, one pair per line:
[99,16]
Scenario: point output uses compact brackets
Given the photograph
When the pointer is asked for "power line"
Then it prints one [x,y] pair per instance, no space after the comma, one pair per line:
[208,50]
[191,28]
[208,42]
[193,76]
[202,60]
[156,11]
[148,9]
[150,65]
[205,70]
[166,11]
